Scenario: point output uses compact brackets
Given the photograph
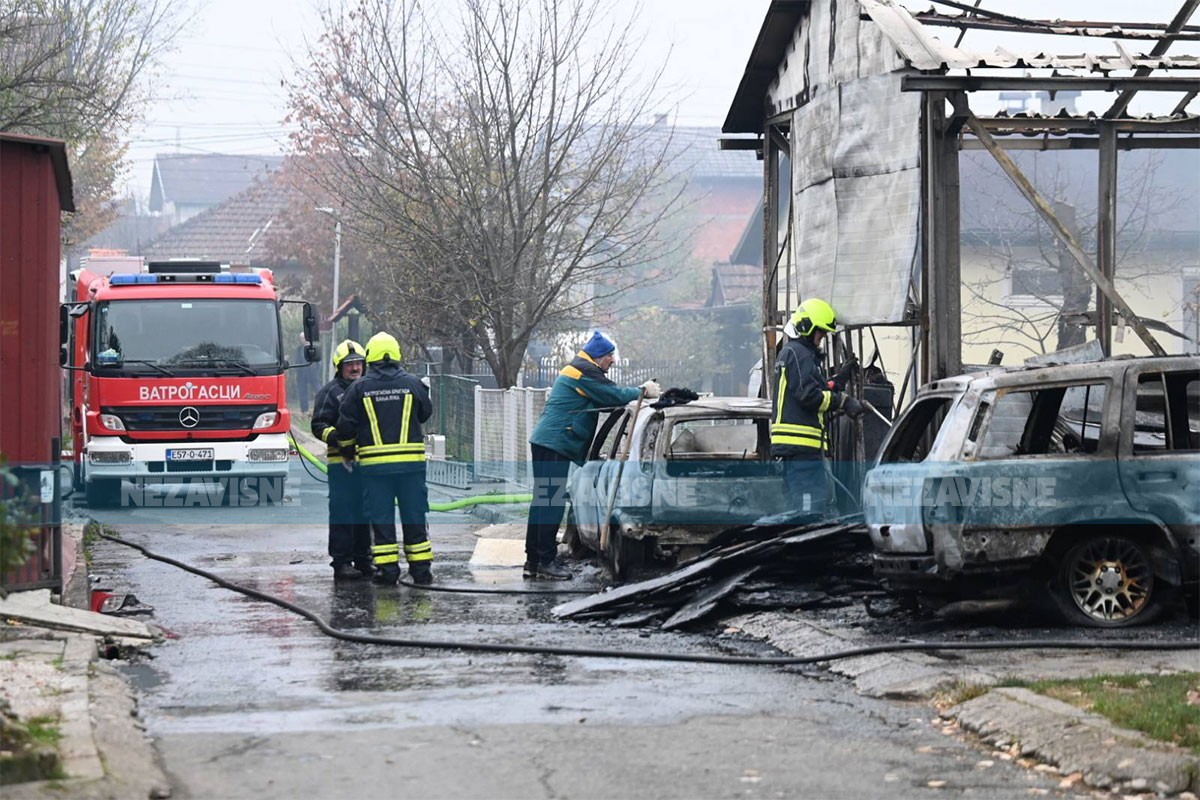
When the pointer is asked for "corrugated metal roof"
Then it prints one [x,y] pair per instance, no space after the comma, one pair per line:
[924,51]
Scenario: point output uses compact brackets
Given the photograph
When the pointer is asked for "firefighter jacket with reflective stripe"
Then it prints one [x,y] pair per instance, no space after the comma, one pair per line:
[802,397]
[325,416]
[379,420]
[568,423]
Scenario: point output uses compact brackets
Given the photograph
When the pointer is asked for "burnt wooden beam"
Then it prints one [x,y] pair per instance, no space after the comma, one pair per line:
[1122,102]
[1088,143]
[1106,233]
[988,83]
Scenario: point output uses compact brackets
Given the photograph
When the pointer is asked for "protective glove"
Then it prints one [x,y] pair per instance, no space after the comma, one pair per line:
[651,389]
[847,372]
[852,407]
[675,397]
[428,386]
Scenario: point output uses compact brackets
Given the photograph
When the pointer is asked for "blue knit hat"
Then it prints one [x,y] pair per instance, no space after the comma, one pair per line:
[599,345]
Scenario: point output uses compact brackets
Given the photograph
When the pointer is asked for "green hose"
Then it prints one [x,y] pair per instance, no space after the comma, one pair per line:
[453,505]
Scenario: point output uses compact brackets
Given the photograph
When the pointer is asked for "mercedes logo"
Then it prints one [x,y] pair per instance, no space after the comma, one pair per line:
[189,417]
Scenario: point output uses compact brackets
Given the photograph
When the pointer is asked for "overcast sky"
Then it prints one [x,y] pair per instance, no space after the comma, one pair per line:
[223,94]
[221,91]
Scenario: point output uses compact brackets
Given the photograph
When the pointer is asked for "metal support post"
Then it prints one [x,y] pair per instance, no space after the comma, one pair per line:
[1106,233]
[770,259]
[940,224]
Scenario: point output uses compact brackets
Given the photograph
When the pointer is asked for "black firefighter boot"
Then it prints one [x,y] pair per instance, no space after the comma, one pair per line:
[421,573]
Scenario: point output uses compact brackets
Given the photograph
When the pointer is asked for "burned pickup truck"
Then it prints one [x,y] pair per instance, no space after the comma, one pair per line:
[691,471]
[1080,482]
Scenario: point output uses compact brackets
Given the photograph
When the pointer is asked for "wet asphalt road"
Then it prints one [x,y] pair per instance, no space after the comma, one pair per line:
[252,701]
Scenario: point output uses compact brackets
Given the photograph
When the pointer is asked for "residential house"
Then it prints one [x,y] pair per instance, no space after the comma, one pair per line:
[183,185]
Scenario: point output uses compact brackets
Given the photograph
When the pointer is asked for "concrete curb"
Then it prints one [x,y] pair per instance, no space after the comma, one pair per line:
[1076,741]
[1058,734]
[890,676]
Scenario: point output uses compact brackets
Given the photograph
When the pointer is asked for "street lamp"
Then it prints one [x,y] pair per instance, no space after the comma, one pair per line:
[337,265]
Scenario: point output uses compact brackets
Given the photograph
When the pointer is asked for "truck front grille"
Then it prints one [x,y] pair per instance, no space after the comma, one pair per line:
[166,418]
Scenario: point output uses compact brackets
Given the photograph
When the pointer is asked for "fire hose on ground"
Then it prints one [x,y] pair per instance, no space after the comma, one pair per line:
[306,457]
[646,655]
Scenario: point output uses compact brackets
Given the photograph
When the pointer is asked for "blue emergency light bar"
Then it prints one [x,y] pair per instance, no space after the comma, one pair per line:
[224,277]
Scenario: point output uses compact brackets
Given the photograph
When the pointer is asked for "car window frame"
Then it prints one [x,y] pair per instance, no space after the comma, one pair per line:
[991,399]
[1129,411]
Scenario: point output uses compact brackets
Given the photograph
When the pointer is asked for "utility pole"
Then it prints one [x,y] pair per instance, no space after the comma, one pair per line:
[337,274]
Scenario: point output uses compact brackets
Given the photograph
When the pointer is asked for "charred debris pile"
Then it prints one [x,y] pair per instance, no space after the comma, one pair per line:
[765,566]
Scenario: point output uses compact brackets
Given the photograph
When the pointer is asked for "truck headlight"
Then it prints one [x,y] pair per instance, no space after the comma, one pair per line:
[272,454]
[266,420]
[112,422]
[110,457]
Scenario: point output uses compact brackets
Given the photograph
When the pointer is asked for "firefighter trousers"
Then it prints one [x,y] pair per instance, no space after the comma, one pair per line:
[349,532]
[807,484]
[384,491]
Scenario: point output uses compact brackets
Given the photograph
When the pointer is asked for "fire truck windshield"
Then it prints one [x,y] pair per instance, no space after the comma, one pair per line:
[190,336]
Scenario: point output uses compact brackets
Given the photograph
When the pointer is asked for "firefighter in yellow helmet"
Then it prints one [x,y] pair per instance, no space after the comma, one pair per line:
[802,398]
[349,533]
[379,430]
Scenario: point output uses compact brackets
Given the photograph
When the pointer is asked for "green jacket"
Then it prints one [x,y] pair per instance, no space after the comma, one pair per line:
[568,423]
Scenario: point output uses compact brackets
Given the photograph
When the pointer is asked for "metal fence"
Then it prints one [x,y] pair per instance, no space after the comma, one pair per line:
[504,418]
[454,414]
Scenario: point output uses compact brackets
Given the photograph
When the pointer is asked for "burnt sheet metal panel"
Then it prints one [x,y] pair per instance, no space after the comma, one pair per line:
[926,51]
[33,178]
[856,180]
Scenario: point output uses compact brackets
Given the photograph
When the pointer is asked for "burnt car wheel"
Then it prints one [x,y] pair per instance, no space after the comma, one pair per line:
[624,553]
[571,537]
[1107,581]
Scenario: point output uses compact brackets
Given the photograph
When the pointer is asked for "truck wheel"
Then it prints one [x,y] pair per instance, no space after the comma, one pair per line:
[1107,581]
[103,492]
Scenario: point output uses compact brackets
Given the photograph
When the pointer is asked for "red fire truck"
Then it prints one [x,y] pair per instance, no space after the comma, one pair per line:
[178,377]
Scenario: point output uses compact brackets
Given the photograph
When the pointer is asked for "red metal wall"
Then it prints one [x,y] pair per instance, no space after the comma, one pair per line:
[29,269]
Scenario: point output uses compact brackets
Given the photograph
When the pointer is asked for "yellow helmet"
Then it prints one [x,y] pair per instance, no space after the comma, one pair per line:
[348,350]
[381,346]
[813,314]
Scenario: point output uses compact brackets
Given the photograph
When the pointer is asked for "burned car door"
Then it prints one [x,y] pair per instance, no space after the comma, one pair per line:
[1036,459]
[1160,454]
[588,500]
[893,488]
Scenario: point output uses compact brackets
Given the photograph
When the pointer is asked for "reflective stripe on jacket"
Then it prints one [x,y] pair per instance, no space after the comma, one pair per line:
[325,415]
[802,398]
[568,422]
[380,418]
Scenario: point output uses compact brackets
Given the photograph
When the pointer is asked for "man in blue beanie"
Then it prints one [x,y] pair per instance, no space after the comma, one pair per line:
[563,434]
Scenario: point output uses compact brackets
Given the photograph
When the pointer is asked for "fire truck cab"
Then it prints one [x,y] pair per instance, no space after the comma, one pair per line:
[178,374]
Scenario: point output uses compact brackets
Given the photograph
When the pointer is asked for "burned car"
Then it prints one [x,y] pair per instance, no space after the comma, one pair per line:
[1078,481]
[692,471]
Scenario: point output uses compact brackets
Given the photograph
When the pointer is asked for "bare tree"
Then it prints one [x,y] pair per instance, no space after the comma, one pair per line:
[78,70]
[1061,295]
[499,158]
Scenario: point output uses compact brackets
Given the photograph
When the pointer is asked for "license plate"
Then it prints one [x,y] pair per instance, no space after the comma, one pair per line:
[190,454]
